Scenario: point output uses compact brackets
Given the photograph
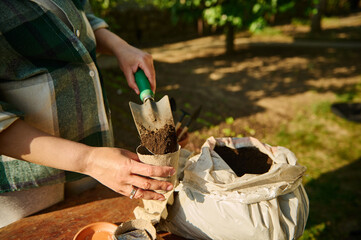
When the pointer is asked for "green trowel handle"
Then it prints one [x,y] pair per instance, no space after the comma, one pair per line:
[143,85]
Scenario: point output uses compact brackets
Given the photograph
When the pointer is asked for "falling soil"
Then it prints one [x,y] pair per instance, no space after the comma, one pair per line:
[245,160]
[162,141]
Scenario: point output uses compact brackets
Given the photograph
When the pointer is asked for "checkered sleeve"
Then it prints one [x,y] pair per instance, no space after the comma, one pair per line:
[48,73]
[94,21]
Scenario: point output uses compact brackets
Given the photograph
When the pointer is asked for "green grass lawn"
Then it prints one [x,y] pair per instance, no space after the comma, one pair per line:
[330,148]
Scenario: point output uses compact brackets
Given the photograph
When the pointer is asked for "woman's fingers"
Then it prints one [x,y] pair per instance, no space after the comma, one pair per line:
[143,184]
[150,170]
[137,167]
[148,67]
[150,184]
[136,193]
[129,154]
[129,75]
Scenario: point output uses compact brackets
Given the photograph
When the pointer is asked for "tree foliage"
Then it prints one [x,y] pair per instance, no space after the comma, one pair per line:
[238,13]
[228,14]
[100,7]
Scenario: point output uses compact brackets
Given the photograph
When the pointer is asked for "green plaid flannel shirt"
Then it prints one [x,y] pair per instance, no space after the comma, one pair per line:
[49,78]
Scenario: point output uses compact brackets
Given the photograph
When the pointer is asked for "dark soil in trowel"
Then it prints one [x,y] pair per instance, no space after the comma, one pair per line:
[162,141]
[245,160]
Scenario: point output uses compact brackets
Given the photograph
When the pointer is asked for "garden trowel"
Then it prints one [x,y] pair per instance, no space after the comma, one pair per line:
[151,115]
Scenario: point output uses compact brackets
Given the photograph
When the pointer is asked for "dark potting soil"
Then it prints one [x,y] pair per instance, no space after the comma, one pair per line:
[245,160]
[162,141]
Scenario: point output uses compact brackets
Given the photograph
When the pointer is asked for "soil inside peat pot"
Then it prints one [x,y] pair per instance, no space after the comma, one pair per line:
[162,141]
[245,160]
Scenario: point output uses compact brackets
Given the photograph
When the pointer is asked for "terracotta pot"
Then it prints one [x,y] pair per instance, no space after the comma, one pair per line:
[96,231]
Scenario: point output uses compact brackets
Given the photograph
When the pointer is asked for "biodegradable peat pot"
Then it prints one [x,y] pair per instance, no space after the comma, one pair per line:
[154,210]
[169,159]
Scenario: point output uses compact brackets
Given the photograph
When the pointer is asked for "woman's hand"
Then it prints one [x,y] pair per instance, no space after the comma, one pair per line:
[121,171]
[129,58]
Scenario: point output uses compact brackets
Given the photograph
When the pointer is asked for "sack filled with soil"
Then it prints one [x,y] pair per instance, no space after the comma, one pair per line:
[239,188]
[244,160]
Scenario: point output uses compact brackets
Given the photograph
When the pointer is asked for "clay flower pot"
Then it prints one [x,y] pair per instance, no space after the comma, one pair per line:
[96,231]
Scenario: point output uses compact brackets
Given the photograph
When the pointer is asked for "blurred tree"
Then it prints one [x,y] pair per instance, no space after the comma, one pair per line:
[227,15]
[317,12]
[230,15]
[100,7]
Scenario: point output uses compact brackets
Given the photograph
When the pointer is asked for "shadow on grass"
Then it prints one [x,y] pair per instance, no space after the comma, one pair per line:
[335,204]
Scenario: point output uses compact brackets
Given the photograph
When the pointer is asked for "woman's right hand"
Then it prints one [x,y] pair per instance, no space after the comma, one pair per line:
[121,170]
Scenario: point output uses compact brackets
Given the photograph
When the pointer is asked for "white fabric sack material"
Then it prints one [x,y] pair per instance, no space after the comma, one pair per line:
[214,203]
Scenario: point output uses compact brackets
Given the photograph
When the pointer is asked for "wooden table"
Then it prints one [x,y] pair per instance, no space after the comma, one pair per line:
[65,219]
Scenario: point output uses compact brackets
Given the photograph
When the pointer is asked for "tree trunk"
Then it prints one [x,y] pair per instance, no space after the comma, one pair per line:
[316,23]
[229,38]
[200,26]
[316,18]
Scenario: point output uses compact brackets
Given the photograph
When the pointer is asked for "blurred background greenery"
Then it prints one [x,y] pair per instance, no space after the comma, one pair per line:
[190,18]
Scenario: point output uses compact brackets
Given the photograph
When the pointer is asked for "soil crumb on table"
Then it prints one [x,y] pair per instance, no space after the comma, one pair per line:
[162,141]
[244,160]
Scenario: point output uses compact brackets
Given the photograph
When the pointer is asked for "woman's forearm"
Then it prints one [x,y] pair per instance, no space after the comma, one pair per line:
[24,142]
[108,42]
[116,168]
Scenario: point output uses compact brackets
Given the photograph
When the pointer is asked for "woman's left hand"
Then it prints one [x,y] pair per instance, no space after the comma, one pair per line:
[129,58]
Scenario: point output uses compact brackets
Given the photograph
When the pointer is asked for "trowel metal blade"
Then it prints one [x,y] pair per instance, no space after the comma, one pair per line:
[152,115]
